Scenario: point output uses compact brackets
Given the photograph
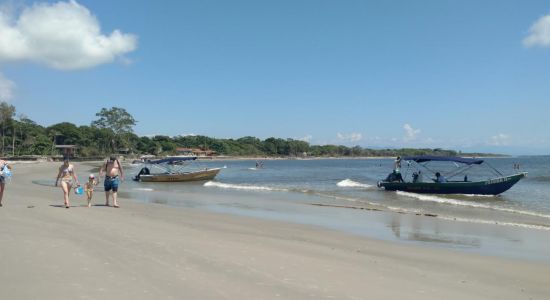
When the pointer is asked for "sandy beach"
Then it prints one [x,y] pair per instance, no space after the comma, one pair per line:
[154,251]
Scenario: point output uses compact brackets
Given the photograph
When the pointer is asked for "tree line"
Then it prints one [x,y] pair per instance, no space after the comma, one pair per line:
[112,132]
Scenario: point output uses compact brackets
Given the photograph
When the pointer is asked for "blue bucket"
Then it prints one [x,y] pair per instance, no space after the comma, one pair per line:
[79,190]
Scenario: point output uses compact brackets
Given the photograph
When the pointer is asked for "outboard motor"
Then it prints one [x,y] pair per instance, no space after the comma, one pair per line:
[391,177]
[143,171]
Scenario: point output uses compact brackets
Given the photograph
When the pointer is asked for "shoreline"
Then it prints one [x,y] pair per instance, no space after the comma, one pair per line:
[43,159]
[146,250]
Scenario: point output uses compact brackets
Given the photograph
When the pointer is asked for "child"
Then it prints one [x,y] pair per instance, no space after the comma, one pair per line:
[89,188]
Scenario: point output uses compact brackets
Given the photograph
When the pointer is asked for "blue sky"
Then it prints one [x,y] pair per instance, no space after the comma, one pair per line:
[466,75]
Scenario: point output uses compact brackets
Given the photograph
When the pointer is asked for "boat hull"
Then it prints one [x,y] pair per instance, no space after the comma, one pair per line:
[489,187]
[181,177]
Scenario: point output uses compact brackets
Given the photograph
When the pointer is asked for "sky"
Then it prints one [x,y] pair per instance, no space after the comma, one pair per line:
[463,75]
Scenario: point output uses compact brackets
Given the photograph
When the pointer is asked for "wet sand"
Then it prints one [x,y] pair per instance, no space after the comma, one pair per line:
[147,251]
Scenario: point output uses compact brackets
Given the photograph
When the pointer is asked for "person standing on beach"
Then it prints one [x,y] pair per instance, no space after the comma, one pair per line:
[3,165]
[68,178]
[112,169]
[89,188]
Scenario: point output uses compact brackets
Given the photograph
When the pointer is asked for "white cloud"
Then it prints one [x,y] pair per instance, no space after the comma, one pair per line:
[186,134]
[351,137]
[539,33]
[62,35]
[500,139]
[306,138]
[410,132]
[6,88]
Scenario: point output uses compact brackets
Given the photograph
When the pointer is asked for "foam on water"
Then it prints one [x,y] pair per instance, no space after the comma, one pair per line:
[542,178]
[405,210]
[143,189]
[490,222]
[432,198]
[242,187]
[354,184]
[478,196]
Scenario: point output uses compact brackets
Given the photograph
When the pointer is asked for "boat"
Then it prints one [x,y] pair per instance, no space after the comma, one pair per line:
[491,186]
[174,169]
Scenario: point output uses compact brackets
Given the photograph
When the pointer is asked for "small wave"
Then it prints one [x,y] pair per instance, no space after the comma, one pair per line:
[539,178]
[478,196]
[143,189]
[243,187]
[456,202]
[492,222]
[344,198]
[404,210]
[303,191]
[351,183]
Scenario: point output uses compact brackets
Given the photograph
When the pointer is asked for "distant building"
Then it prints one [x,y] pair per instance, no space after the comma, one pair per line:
[67,150]
[124,151]
[195,152]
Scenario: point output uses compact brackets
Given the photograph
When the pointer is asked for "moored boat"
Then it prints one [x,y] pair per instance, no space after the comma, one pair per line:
[491,186]
[206,174]
[174,169]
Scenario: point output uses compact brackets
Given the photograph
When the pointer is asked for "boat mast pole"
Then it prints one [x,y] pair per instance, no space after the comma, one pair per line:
[495,170]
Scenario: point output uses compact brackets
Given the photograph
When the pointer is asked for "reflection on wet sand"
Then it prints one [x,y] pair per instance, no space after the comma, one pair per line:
[430,234]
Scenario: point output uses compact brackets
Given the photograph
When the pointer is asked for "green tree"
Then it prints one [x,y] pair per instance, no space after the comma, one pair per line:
[7,112]
[119,121]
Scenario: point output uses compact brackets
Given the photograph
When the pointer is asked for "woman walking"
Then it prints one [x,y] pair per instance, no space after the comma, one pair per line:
[68,178]
[4,168]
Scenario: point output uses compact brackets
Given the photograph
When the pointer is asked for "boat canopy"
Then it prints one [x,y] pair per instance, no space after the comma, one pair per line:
[426,158]
[170,160]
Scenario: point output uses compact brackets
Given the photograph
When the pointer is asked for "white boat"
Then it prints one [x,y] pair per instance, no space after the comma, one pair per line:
[174,169]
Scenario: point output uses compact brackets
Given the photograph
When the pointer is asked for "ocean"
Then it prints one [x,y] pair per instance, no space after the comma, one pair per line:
[352,183]
[342,194]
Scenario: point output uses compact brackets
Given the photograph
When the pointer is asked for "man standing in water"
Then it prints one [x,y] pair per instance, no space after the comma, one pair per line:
[112,169]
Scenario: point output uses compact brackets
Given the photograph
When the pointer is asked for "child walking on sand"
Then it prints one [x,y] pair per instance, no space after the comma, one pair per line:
[89,188]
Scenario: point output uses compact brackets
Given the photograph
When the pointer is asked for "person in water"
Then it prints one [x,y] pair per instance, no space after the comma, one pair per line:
[397,169]
[397,166]
[3,166]
[89,188]
[67,177]
[440,178]
[113,171]
[417,177]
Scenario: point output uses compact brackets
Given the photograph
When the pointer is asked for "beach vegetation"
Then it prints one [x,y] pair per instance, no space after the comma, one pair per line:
[113,132]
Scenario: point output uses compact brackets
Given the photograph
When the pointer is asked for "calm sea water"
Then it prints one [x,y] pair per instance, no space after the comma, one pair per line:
[352,183]
[341,194]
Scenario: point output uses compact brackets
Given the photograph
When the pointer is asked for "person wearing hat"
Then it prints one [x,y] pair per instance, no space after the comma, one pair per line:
[89,188]
[4,169]
[397,169]
[397,164]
